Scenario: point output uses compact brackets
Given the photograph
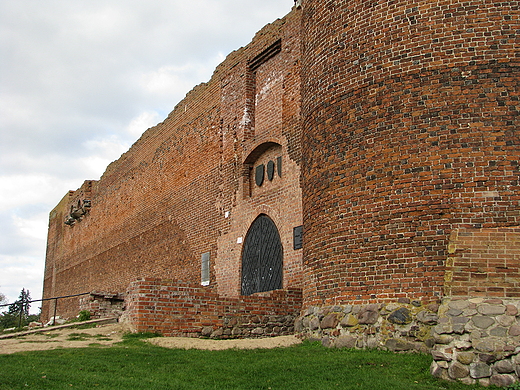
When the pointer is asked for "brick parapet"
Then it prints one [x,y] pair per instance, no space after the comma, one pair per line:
[175,308]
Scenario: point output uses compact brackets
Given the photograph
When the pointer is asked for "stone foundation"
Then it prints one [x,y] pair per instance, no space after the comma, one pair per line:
[251,326]
[471,340]
[478,340]
[402,326]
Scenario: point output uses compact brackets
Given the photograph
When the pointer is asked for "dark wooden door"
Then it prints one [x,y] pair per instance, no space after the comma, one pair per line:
[262,257]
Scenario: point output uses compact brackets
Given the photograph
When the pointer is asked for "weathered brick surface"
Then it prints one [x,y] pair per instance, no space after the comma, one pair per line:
[174,308]
[396,124]
[484,263]
[185,187]
[410,113]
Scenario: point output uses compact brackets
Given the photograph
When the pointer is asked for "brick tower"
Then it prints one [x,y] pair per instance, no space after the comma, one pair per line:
[410,113]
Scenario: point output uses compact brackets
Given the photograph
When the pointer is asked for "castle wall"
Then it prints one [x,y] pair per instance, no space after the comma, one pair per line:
[410,118]
[184,188]
[473,332]
[388,129]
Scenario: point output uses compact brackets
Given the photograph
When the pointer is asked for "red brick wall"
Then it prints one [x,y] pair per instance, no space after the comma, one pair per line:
[484,263]
[174,308]
[410,113]
[164,203]
[396,124]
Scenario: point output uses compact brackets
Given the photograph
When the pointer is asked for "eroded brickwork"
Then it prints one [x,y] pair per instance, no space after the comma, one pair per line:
[184,189]
[174,308]
[484,263]
[388,129]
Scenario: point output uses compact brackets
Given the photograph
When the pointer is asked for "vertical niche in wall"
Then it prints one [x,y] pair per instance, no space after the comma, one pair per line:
[262,252]
[259,80]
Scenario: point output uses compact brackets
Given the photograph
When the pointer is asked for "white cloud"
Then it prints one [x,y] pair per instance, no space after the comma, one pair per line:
[23,189]
[33,226]
[166,79]
[143,122]
[100,153]
[21,272]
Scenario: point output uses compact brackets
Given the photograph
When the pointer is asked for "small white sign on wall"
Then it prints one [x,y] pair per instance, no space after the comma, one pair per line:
[205,271]
[239,240]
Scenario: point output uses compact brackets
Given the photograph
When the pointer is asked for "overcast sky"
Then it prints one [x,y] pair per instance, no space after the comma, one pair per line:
[80,81]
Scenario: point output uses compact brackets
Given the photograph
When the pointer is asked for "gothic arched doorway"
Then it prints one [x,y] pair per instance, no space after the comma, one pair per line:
[262,257]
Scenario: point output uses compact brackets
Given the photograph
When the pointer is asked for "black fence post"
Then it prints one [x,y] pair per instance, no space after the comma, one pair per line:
[55,309]
[21,313]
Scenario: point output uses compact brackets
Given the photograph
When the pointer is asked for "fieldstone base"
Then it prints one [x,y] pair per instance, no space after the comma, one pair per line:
[471,340]
[478,340]
[402,326]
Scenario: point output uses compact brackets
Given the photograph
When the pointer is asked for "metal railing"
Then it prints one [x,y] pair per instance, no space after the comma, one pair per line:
[23,304]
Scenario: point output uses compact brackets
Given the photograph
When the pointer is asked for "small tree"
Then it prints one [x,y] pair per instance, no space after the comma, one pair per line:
[13,317]
[21,304]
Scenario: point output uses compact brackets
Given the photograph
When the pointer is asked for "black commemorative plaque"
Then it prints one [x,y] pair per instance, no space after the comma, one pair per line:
[298,237]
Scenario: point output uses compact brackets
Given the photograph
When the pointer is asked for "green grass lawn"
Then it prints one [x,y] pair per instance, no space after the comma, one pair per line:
[134,364]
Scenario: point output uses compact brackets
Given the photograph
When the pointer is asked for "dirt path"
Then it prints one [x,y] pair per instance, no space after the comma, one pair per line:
[107,335]
[188,343]
[63,338]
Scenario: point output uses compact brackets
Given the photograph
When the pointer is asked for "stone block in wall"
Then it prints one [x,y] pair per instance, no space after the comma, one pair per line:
[482,322]
[368,314]
[399,345]
[314,323]
[330,321]
[442,338]
[504,367]
[502,380]
[466,357]
[458,370]
[491,310]
[207,331]
[441,356]
[298,325]
[345,342]
[511,310]
[514,330]
[400,316]
[427,317]
[480,370]
[349,320]
[438,371]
